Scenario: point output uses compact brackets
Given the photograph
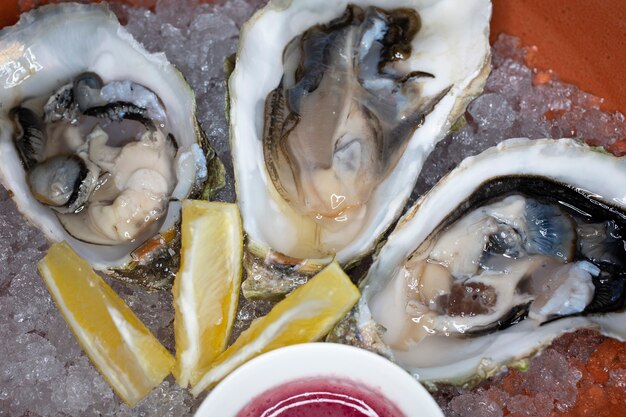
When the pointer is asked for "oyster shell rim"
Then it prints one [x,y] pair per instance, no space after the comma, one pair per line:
[461,95]
[360,327]
[22,36]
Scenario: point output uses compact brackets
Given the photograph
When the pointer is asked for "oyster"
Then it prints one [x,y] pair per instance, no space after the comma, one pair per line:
[99,141]
[334,106]
[514,247]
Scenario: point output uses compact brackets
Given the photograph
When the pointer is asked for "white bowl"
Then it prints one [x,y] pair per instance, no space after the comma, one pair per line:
[315,360]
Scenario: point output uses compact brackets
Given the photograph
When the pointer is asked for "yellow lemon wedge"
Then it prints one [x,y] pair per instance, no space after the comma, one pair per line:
[206,287]
[129,357]
[306,315]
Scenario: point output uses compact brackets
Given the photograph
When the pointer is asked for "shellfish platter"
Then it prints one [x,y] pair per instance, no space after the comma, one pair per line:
[477,202]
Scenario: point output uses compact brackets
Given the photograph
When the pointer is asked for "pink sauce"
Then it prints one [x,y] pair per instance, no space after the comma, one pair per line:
[321,397]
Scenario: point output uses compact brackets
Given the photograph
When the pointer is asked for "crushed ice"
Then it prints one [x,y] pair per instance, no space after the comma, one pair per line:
[43,371]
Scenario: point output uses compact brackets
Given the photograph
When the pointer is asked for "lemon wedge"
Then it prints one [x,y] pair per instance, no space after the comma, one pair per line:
[306,315]
[129,357]
[206,288]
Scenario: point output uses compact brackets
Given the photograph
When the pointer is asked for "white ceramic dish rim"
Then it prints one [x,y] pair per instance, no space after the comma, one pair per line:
[313,360]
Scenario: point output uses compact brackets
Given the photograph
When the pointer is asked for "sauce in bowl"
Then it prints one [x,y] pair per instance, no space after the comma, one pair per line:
[321,397]
[319,380]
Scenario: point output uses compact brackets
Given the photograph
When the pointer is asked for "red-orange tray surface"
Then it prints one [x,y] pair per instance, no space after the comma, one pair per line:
[583,42]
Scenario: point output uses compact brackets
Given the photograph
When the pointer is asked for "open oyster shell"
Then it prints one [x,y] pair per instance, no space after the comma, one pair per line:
[334,106]
[512,248]
[99,140]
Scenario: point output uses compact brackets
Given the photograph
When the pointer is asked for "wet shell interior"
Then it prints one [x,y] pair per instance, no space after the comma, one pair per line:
[99,140]
[335,106]
[512,248]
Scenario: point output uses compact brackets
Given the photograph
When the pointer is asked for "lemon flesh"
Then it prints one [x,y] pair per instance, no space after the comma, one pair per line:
[129,357]
[306,315]
[206,288]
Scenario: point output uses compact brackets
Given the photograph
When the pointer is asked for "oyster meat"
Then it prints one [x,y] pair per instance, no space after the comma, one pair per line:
[99,139]
[334,106]
[514,247]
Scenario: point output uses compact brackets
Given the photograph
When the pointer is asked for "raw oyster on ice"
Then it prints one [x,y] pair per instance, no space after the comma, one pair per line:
[514,247]
[334,106]
[99,140]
